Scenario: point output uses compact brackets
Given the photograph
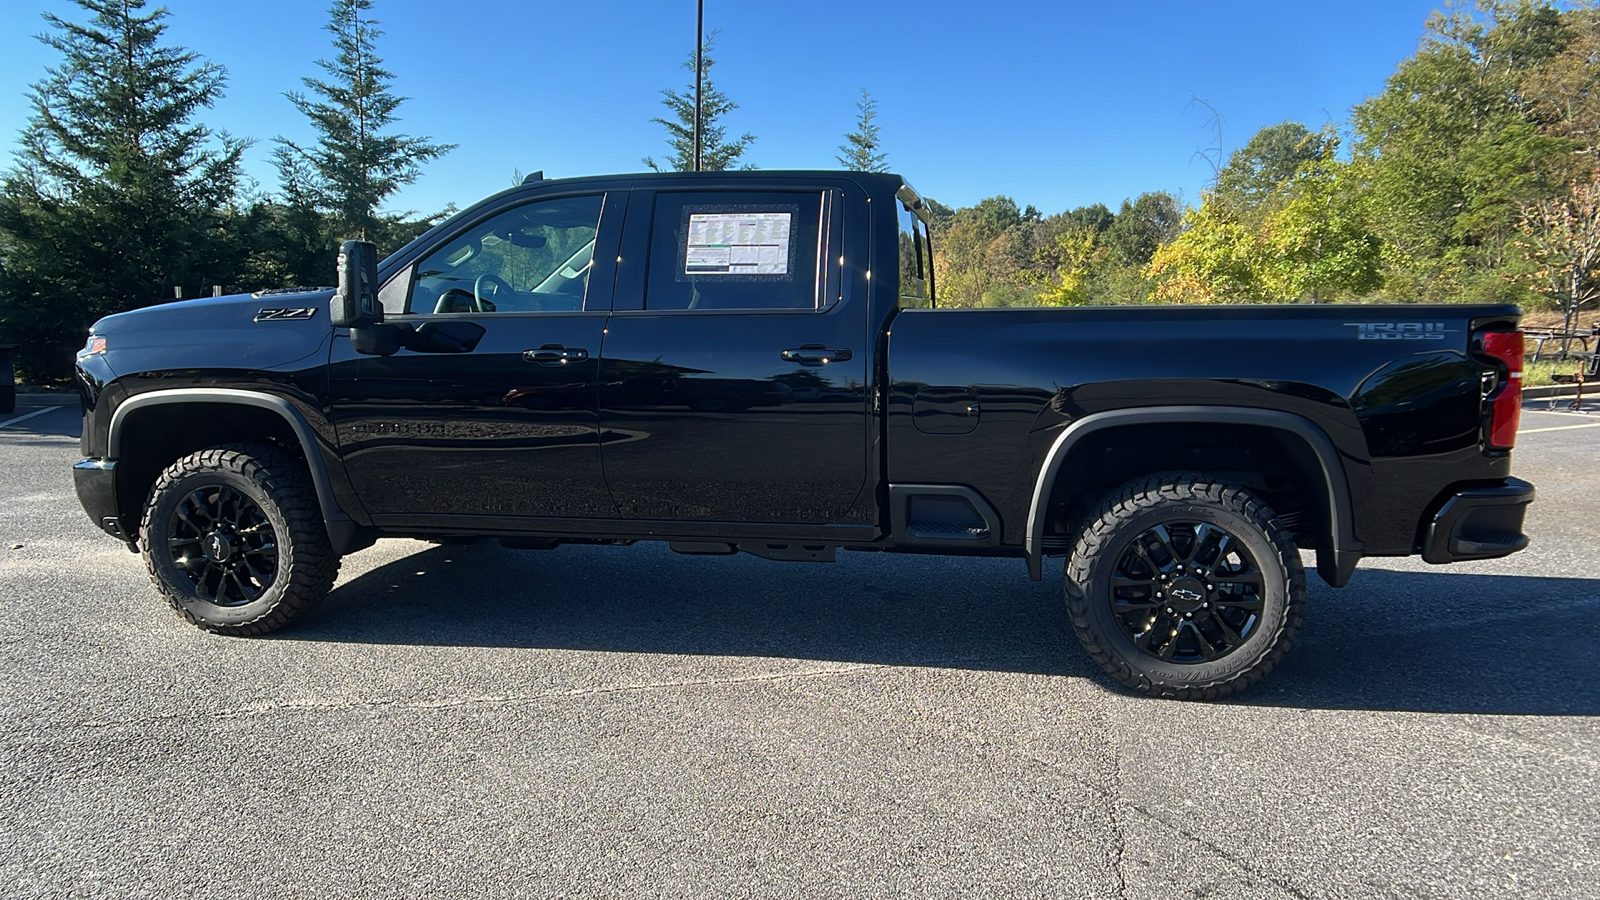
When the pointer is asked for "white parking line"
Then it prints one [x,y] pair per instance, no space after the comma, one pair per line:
[38,412]
[1557,412]
[1559,428]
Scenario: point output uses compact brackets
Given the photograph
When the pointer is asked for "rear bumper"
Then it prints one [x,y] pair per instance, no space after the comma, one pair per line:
[1478,523]
[96,483]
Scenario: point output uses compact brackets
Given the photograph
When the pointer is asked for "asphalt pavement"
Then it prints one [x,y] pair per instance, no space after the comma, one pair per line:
[476,722]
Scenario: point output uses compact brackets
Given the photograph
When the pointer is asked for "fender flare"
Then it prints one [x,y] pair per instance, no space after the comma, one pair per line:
[341,528]
[1335,566]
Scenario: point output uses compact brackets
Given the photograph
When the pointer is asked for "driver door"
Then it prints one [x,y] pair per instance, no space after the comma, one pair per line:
[506,428]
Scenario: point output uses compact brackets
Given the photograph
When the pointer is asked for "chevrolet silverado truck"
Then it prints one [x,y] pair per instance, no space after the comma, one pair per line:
[755,362]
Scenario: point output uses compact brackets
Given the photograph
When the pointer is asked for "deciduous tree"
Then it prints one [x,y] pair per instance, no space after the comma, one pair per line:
[1271,157]
[1314,244]
[1562,238]
[1143,225]
[1449,151]
[1214,260]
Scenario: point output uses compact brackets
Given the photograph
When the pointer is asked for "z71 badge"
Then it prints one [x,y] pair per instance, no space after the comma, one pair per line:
[1399,331]
[279,315]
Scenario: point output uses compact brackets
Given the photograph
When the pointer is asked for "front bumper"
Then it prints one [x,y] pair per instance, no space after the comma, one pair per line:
[1478,523]
[96,483]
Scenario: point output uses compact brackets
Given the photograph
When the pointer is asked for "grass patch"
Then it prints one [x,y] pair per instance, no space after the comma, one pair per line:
[1535,374]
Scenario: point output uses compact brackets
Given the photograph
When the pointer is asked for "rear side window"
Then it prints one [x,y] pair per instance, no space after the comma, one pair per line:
[916,262]
[735,250]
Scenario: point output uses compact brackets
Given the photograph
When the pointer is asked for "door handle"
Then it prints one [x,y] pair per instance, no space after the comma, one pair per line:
[816,355]
[555,355]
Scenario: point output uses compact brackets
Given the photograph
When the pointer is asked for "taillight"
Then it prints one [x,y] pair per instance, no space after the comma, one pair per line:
[1505,403]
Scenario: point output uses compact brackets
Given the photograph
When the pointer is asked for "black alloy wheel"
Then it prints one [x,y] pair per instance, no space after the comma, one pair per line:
[1186,587]
[226,546]
[1187,592]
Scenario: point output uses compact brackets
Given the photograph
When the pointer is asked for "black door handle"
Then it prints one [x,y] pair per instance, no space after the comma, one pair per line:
[555,355]
[816,355]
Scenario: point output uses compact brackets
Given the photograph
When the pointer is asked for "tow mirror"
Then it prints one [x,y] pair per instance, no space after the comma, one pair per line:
[356,302]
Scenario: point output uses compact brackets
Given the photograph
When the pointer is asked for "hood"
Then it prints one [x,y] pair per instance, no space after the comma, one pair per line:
[241,331]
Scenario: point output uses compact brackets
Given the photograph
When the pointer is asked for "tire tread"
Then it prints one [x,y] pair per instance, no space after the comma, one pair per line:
[1143,493]
[313,565]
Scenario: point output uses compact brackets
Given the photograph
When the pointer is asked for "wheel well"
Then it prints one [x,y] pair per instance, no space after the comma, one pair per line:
[1277,465]
[156,436]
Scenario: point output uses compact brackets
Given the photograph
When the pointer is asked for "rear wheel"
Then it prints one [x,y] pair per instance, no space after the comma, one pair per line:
[1183,587]
[234,539]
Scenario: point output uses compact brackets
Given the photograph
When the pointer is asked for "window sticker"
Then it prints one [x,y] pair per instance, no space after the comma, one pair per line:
[754,243]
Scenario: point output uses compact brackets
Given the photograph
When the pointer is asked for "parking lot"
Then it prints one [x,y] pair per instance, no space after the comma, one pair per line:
[477,722]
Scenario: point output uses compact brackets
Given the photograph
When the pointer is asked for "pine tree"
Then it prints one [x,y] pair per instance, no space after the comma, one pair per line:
[716,154]
[355,165]
[861,146]
[117,195]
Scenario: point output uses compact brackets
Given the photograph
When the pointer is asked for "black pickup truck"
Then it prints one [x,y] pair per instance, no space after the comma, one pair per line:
[754,362]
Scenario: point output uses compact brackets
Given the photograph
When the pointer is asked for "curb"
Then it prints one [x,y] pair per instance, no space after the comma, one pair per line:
[1556,391]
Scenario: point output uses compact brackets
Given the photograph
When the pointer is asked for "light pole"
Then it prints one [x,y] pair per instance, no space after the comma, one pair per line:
[699,30]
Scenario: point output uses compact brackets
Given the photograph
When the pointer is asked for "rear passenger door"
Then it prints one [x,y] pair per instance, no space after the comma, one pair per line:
[735,361]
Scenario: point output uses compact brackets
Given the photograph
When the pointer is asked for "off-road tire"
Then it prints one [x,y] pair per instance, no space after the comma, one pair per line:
[280,487]
[1183,497]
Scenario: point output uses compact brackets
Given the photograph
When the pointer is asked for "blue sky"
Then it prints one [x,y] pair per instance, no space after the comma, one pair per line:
[1054,104]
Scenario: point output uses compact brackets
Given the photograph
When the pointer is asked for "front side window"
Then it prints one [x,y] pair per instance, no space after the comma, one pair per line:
[735,250]
[531,258]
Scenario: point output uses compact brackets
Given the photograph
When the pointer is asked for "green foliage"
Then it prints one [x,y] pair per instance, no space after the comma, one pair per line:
[942,215]
[1563,95]
[356,164]
[861,146]
[1271,157]
[1142,226]
[999,254]
[1317,243]
[1096,216]
[1074,255]
[717,154]
[118,196]
[1312,244]
[1214,260]
[1452,147]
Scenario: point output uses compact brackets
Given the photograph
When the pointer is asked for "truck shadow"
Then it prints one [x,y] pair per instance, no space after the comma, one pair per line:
[1445,641]
[1409,641]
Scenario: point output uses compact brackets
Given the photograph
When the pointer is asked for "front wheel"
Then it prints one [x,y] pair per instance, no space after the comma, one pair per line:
[234,539]
[1186,588]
